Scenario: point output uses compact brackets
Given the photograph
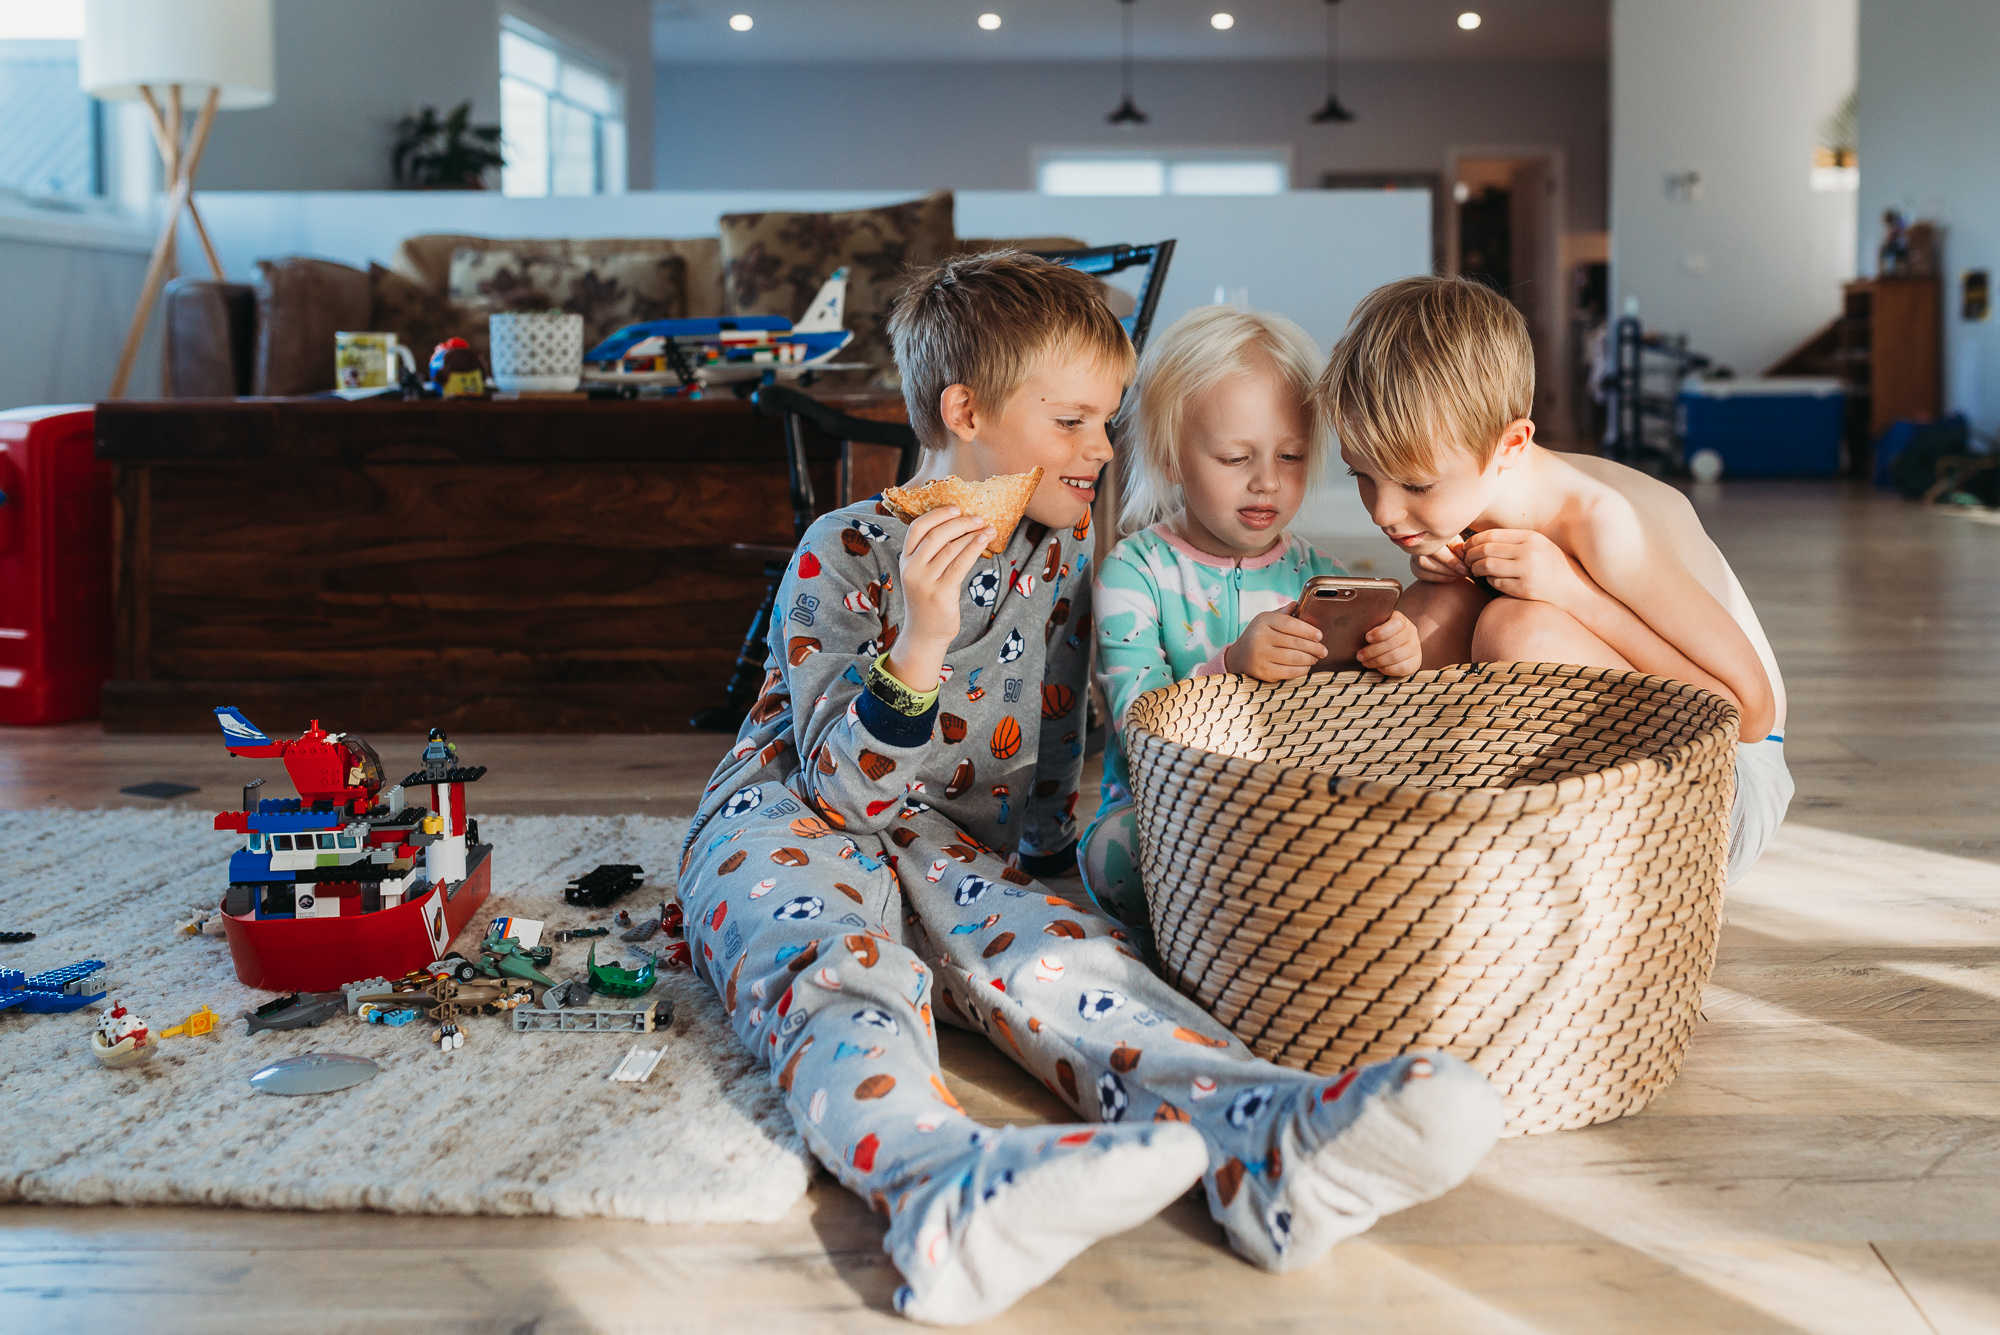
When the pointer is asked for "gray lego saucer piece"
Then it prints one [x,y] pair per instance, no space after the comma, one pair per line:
[313,1073]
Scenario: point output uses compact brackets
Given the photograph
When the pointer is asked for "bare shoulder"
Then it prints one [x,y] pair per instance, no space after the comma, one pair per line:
[1610,507]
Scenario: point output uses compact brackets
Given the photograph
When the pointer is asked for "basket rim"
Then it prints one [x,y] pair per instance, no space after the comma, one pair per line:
[1469,801]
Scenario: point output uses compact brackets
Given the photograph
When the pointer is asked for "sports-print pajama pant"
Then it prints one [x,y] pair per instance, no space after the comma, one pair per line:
[847,957]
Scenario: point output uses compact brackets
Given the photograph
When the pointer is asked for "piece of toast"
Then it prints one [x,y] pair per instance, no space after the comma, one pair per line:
[1000,501]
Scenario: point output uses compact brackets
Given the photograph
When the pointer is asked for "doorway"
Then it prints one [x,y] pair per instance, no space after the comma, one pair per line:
[1505,228]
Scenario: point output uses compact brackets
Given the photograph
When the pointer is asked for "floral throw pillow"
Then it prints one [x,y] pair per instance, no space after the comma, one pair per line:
[608,291]
[773,263]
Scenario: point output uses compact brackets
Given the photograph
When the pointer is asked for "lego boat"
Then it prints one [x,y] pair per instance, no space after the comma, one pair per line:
[347,880]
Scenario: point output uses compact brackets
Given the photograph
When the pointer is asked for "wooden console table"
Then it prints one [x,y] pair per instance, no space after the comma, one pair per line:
[531,566]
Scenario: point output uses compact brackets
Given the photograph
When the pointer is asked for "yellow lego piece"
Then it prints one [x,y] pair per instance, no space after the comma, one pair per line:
[201,1022]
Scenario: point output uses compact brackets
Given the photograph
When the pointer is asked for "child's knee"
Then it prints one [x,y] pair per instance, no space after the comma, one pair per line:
[1513,630]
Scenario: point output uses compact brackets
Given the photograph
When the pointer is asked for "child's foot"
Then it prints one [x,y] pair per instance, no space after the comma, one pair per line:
[1339,1156]
[1021,1202]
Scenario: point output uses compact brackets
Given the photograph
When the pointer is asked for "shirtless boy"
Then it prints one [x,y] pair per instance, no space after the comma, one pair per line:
[1525,555]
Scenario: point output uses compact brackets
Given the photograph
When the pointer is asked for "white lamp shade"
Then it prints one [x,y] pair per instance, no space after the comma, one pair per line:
[199,44]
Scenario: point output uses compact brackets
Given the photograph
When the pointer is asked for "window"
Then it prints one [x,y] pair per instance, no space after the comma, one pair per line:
[50,153]
[281,842]
[326,841]
[349,841]
[1163,172]
[562,117]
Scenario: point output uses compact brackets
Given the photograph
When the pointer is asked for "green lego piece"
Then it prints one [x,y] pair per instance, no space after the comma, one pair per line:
[613,981]
[507,957]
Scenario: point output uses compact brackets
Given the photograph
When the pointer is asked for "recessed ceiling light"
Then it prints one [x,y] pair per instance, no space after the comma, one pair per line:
[1223,21]
[743,22]
[1468,20]
[989,21]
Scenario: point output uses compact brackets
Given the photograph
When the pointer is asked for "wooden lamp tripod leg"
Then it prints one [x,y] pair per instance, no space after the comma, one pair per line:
[180,161]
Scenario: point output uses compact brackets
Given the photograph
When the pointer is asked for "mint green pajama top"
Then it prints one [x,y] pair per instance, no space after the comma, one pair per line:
[1166,611]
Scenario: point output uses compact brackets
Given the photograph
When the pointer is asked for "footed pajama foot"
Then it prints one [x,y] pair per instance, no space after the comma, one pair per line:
[1022,1202]
[1336,1157]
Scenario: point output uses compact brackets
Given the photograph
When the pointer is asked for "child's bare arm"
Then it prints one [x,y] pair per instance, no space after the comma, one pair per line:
[1683,632]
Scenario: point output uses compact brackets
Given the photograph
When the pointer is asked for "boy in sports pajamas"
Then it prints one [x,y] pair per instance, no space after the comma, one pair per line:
[863,867]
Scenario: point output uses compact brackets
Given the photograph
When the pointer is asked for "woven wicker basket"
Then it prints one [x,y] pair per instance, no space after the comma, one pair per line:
[1520,864]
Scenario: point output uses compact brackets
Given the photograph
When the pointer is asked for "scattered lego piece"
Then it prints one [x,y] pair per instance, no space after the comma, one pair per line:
[672,920]
[312,1073]
[638,1064]
[365,988]
[600,887]
[623,918]
[678,957]
[447,999]
[505,958]
[159,790]
[201,1022]
[614,980]
[15,938]
[577,1019]
[449,1038]
[55,991]
[579,933]
[121,1038]
[299,1010]
[645,931]
[525,932]
[393,1016]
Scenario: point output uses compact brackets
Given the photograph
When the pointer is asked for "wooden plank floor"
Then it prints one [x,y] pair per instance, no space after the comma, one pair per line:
[1828,1161]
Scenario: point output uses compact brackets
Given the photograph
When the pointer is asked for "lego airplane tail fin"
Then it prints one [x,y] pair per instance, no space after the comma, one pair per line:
[240,735]
[824,314]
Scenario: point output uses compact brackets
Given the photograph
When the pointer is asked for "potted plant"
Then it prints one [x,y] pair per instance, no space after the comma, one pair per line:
[445,153]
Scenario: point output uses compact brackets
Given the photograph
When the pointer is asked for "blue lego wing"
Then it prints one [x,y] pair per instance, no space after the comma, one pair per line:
[237,730]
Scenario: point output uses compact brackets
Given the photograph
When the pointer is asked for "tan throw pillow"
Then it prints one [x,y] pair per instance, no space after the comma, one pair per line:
[419,319]
[301,304]
[773,263]
[608,291]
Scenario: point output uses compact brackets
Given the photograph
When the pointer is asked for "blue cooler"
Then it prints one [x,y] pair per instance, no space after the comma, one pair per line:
[1787,426]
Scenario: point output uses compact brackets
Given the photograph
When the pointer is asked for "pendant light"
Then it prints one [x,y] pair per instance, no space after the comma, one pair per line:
[1332,113]
[1128,112]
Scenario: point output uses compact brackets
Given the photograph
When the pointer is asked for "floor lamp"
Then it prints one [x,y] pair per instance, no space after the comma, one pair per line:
[170,54]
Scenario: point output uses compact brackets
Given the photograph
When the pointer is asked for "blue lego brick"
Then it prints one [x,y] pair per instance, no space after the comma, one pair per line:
[57,990]
[290,822]
[245,866]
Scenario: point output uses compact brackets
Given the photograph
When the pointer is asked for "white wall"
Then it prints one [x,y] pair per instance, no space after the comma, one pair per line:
[70,292]
[347,71]
[975,125]
[1735,92]
[1929,105]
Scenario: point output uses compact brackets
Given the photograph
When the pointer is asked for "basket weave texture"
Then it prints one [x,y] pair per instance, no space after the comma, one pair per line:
[1520,864]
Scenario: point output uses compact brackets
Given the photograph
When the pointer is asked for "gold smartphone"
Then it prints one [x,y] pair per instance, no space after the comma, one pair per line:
[1346,608]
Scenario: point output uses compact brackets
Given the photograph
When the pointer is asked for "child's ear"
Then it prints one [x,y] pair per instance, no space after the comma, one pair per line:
[960,413]
[1514,442]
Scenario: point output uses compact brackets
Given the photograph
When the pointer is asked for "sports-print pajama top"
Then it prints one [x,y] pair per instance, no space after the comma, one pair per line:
[856,873]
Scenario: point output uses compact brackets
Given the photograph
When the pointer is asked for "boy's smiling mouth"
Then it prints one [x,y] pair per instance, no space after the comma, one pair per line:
[1084,487]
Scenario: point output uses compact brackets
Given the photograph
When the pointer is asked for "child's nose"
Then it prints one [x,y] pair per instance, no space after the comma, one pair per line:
[1098,448]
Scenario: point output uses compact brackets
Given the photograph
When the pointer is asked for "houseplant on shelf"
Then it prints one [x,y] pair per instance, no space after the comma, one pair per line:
[445,153]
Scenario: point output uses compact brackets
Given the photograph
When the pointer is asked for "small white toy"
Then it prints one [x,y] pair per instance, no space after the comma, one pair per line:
[121,1038]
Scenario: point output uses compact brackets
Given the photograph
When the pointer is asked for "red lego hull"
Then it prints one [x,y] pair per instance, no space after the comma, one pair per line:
[321,954]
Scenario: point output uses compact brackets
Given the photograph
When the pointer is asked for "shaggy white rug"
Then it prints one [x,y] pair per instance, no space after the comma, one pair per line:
[511,1124]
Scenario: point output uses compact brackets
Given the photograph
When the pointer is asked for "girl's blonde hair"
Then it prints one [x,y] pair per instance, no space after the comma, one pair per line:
[1198,352]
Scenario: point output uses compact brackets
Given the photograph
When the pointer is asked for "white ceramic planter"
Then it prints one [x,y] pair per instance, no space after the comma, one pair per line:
[536,351]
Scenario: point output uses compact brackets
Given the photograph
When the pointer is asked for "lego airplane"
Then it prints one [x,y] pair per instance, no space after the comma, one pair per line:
[732,348]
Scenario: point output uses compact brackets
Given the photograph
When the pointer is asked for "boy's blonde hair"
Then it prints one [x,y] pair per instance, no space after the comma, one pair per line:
[1198,352]
[1426,361]
[982,320]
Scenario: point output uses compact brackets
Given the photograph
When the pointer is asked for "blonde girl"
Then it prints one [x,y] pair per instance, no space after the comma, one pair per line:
[1221,442]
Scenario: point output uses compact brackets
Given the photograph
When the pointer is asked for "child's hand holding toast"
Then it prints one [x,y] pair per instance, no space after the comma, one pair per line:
[942,547]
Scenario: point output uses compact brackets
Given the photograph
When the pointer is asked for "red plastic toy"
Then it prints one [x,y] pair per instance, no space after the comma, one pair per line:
[55,566]
[347,881]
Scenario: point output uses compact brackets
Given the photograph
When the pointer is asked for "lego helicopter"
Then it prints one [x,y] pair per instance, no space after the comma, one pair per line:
[347,880]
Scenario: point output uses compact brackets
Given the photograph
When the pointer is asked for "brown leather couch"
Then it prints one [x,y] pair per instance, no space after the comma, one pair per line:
[276,337]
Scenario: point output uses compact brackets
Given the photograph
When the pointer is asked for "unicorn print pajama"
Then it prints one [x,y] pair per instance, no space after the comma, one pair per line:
[863,868]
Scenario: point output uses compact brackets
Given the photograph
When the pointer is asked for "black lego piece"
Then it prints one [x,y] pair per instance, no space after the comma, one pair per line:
[455,774]
[605,885]
[15,938]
